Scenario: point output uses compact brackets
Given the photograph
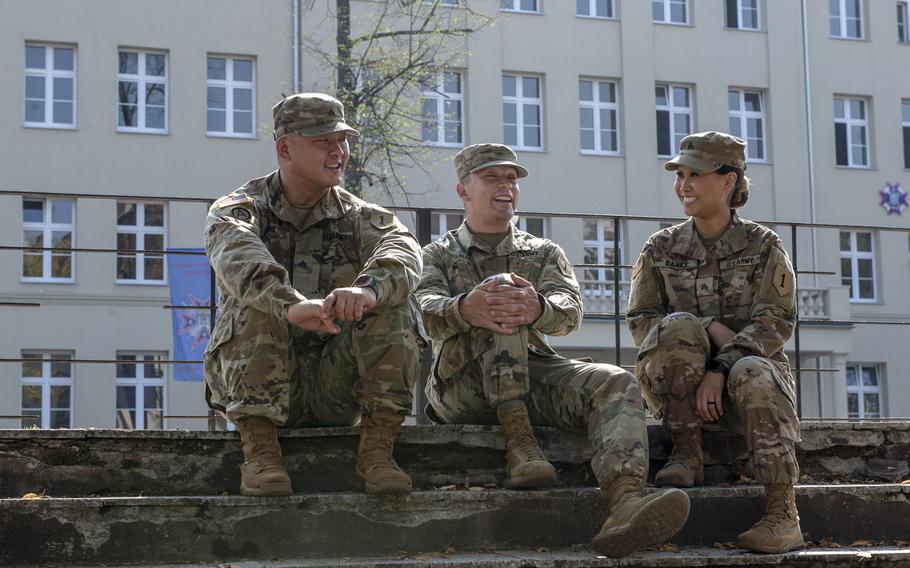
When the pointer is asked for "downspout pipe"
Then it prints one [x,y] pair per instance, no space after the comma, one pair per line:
[296,47]
[809,141]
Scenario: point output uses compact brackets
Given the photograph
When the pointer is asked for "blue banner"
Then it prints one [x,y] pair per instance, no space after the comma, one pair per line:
[189,276]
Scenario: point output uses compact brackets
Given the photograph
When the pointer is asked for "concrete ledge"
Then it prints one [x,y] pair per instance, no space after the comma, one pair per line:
[205,529]
[870,557]
[125,462]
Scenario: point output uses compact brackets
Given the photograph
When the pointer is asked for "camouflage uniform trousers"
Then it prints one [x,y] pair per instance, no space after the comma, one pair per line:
[598,399]
[296,378]
[671,365]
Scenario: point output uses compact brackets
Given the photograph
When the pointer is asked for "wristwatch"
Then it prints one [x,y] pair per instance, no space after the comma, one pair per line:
[366,281]
[717,366]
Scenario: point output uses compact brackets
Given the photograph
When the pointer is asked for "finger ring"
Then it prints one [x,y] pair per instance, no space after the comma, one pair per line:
[712,402]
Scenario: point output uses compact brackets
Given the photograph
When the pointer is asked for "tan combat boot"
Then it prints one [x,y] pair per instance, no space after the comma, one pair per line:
[639,521]
[263,472]
[685,468]
[526,466]
[375,464]
[778,530]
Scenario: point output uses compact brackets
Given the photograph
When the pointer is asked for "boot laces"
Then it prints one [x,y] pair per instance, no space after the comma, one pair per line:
[381,442]
[522,442]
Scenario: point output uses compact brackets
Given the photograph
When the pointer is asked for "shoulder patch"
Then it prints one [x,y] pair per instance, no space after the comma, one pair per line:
[381,218]
[783,280]
[241,213]
[565,267]
[638,264]
[233,199]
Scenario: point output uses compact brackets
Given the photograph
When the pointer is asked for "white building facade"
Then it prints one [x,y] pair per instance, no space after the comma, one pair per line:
[157,105]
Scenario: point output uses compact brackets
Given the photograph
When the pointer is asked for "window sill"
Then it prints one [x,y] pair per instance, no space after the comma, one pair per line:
[140,282]
[753,30]
[232,136]
[600,154]
[857,168]
[43,126]
[141,131]
[847,38]
[444,144]
[534,150]
[674,24]
[531,12]
[25,280]
[605,18]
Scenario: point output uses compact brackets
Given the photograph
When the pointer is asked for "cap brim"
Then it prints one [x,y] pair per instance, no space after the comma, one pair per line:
[693,163]
[324,129]
[522,171]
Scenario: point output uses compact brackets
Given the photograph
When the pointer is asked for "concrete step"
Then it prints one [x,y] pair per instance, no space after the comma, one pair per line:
[331,525]
[122,462]
[867,557]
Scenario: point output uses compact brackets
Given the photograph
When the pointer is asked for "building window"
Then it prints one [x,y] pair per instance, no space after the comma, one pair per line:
[598,116]
[598,249]
[905,123]
[537,226]
[142,91]
[743,14]
[519,5]
[902,33]
[846,18]
[440,223]
[522,111]
[231,90]
[140,391]
[50,86]
[140,226]
[674,117]
[47,390]
[670,11]
[857,265]
[851,132]
[48,223]
[747,121]
[864,391]
[442,108]
[594,8]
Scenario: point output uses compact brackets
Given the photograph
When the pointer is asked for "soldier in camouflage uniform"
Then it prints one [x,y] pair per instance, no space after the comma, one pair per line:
[489,292]
[318,326]
[712,304]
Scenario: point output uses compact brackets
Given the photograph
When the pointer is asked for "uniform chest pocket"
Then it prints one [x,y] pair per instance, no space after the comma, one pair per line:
[462,276]
[737,291]
[338,265]
[679,284]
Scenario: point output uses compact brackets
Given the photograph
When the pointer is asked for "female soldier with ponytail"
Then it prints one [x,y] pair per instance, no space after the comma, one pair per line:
[712,304]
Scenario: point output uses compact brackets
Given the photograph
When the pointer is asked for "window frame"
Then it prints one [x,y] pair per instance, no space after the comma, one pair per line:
[520,101]
[592,9]
[842,20]
[516,7]
[854,255]
[596,105]
[521,222]
[860,390]
[141,79]
[601,247]
[441,96]
[139,382]
[673,111]
[48,73]
[740,9]
[905,130]
[668,12]
[141,230]
[903,21]
[48,227]
[849,123]
[442,222]
[229,85]
[743,116]
[47,381]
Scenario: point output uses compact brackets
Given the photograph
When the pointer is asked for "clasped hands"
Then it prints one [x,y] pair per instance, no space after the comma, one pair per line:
[501,303]
[342,304]
[709,398]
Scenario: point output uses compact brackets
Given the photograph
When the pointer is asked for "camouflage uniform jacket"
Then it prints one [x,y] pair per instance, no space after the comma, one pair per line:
[745,282]
[456,263]
[268,255]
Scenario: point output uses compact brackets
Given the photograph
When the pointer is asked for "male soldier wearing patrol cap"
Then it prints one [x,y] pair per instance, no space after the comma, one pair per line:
[712,304]
[489,292]
[318,326]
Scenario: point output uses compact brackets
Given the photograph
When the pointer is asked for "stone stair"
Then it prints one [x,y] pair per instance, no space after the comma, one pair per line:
[165,497]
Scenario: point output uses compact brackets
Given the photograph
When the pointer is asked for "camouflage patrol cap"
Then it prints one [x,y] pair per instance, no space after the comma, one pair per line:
[309,114]
[480,156]
[709,151]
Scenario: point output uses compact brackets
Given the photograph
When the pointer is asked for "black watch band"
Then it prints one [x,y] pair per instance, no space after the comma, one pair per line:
[718,367]
[368,282]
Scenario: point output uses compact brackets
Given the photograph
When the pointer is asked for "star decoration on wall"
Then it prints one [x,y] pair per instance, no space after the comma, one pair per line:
[893,198]
[195,323]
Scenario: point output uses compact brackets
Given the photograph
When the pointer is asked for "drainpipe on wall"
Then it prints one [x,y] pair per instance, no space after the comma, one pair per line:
[296,47]
[809,140]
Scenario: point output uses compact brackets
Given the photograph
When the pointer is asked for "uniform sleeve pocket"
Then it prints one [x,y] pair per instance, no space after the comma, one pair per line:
[223,332]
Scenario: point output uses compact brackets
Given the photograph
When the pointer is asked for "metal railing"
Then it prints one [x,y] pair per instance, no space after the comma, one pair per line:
[603,300]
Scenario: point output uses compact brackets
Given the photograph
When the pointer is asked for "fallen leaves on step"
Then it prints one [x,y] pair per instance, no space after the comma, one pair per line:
[668,547]
[862,542]
[743,479]
[452,487]
[444,553]
[725,545]
[34,495]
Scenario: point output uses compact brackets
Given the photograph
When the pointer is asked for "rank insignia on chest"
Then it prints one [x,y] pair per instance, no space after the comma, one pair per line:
[704,286]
